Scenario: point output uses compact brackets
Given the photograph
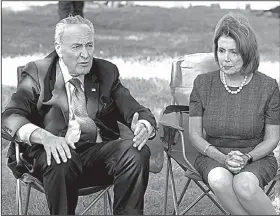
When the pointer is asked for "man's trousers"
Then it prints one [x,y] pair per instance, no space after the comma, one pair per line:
[115,162]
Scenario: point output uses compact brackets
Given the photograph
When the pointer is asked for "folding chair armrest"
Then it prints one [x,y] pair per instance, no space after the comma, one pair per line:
[23,165]
[172,126]
[5,135]
[168,117]
[188,163]
[169,120]
[176,108]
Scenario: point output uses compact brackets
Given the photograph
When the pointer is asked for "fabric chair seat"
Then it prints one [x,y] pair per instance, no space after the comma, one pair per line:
[36,184]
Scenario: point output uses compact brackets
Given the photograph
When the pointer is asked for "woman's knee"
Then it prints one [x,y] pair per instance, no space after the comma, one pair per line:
[245,185]
[219,179]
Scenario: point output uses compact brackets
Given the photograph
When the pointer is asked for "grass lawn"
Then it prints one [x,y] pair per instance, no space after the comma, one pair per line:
[138,33]
[133,31]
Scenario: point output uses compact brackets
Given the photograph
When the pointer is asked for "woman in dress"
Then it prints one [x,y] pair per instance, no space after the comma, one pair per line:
[239,109]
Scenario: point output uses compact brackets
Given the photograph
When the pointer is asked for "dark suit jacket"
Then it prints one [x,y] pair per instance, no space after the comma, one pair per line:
[42,100]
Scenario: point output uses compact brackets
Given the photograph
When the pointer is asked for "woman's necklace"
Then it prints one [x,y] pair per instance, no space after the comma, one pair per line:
[239,88]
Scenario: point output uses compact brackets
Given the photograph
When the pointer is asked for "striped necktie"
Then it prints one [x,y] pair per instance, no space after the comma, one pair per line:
[87,125]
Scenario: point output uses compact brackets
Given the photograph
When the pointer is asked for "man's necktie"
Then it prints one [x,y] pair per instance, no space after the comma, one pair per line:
[87,125]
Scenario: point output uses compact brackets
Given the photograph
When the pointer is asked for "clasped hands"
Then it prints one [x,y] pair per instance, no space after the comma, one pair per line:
[235,161]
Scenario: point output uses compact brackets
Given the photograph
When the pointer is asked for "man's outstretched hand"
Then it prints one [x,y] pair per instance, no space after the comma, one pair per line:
[141,132]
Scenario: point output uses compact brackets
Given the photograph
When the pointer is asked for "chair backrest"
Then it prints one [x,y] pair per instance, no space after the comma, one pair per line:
[184,71]
[19,71]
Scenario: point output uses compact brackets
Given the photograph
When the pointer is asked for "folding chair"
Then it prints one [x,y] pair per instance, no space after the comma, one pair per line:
[175,122]
[32,182]
[273,182]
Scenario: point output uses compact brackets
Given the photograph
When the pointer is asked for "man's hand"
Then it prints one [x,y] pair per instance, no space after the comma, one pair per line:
[58,147]
[141,133]
[234,161]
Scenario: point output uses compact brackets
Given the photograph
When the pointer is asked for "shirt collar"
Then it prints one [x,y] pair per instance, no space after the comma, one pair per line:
[66,74]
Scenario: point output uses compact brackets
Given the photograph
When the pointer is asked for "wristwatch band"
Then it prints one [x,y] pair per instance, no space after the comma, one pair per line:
[250,158]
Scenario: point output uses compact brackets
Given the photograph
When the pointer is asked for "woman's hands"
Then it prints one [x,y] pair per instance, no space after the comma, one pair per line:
[235,161]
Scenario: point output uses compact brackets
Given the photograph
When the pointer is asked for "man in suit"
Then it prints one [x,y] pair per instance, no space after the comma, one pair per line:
[66,109]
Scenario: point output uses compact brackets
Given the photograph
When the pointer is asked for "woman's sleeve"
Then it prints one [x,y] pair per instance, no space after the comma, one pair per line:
[196,108]
[272,111]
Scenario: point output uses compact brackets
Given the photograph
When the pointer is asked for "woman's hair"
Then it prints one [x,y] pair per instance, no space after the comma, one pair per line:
[239,29]
[60,27]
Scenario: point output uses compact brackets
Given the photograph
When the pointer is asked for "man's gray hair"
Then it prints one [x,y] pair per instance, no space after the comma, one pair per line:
[60,27]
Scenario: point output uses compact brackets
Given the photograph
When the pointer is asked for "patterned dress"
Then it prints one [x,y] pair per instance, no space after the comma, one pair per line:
[236,121]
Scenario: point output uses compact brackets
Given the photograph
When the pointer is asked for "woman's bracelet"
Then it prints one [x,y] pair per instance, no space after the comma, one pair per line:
[206,148]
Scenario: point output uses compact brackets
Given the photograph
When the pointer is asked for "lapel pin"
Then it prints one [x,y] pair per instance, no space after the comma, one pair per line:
[93,89]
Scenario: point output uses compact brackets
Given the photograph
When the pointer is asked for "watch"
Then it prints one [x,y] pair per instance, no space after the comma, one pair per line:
[250,158]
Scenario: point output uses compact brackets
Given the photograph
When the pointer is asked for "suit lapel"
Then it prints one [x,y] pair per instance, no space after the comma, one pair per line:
[49,80]
[91,86]
[59,93]
[55,91]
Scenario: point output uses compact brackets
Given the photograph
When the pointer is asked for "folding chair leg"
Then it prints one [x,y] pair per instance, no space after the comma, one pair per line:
[183,193]
[28,189]
[18,198]
[110,209]
[193,203]
[173,187]
[95,200]
[166,188]
[105,203]
[270,187]
[210,197]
